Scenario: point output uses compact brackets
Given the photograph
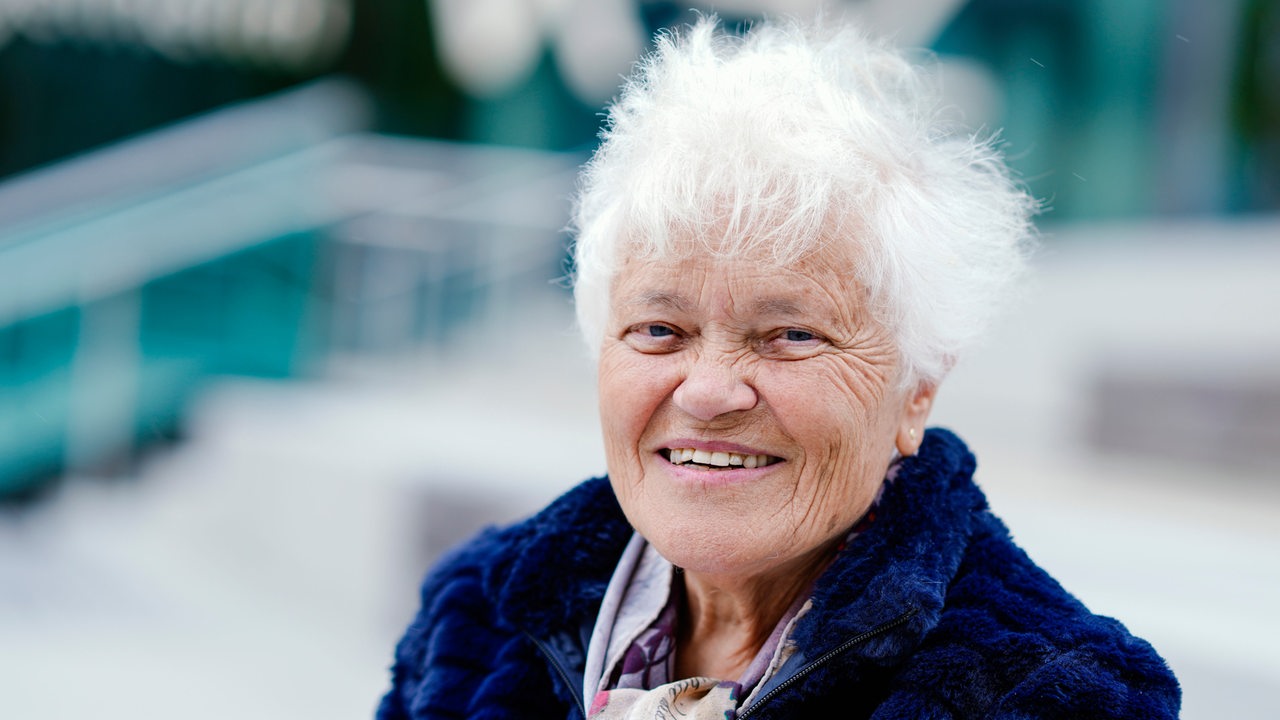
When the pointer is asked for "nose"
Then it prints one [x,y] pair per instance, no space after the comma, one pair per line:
[713,388]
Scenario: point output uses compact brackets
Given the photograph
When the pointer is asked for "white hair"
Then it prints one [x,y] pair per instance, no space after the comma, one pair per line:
[791,137]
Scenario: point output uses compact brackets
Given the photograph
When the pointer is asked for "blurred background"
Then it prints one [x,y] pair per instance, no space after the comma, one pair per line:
[281,317]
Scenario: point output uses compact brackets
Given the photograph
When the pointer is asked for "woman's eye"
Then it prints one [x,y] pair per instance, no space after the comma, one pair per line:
[792,344]
[653,337]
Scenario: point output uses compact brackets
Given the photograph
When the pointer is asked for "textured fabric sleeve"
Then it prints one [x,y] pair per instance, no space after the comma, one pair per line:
[447,650]
[1121,679]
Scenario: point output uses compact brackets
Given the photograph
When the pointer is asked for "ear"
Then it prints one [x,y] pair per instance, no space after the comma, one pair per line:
[915,413]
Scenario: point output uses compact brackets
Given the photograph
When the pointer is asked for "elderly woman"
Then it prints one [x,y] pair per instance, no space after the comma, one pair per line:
[780,253]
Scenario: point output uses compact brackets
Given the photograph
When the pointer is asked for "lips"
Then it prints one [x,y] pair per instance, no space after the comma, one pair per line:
[716,459]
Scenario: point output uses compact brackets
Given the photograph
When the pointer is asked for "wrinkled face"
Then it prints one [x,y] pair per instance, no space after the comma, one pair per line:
[749,411]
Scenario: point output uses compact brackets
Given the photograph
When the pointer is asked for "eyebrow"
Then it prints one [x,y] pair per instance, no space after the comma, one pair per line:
[767,307]
[775,306]
[661,299]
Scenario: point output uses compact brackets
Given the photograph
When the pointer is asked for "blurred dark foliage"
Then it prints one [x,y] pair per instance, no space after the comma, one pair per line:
[64,95]
[1256,107]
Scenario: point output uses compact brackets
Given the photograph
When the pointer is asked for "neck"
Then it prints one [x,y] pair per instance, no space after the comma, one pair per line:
[725,620]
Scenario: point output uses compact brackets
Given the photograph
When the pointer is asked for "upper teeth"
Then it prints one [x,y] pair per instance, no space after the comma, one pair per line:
[719,459]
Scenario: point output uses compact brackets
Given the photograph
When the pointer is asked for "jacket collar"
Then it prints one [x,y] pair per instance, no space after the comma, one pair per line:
[905,561]
[552,571]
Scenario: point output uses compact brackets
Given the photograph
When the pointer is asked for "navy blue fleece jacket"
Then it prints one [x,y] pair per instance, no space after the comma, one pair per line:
[932,613]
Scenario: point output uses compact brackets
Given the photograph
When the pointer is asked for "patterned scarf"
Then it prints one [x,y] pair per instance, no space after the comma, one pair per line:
[637,682]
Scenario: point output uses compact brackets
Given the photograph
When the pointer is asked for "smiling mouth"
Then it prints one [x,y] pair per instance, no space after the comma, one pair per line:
[689,457]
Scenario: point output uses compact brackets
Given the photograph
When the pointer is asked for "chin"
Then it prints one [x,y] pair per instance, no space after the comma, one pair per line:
[722,550]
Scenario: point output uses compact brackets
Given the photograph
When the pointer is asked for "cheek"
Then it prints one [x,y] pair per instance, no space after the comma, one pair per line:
[816,405]
[631,388]
[834,417]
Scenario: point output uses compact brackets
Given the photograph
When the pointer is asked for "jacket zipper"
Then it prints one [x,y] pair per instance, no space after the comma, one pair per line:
[828,657]
[564,674]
